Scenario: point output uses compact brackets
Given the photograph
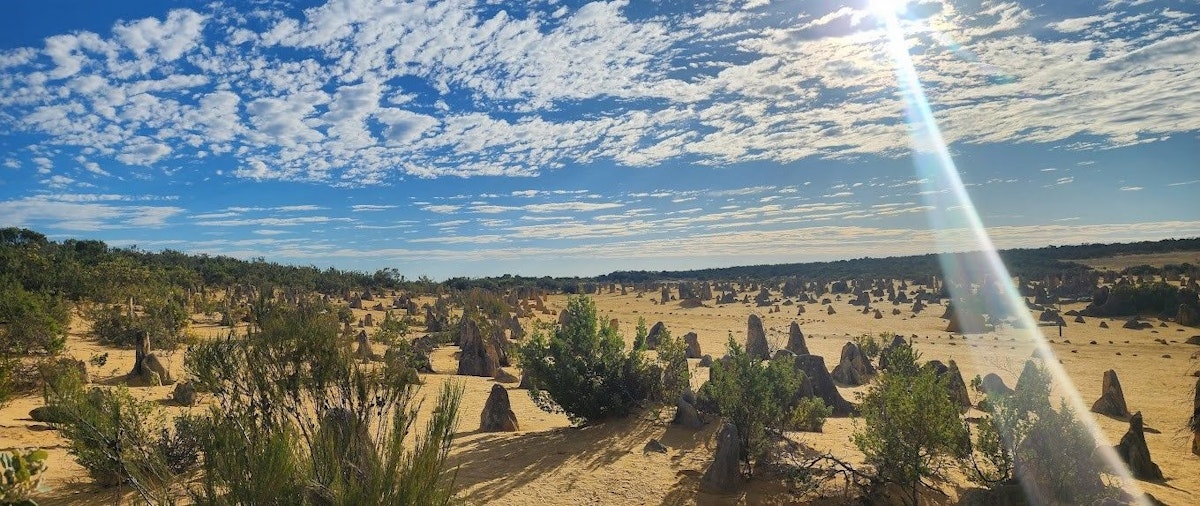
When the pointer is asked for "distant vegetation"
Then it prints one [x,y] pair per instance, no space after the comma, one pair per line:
[1026,263]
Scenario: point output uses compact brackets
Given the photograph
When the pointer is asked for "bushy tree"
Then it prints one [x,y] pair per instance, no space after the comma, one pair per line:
[910,433]
[1024,439]
[163,318]
[31,322]
[754,395]
[583,370]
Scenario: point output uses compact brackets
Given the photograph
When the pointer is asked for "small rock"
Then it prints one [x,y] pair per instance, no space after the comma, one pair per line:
[654,446]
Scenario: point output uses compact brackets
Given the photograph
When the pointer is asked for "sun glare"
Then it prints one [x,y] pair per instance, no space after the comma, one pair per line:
[952,211]
[884,7]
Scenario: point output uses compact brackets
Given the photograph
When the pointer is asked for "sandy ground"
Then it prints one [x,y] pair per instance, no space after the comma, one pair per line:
[549,462]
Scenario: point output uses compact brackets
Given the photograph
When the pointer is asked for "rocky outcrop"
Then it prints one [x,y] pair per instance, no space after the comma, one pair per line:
[692,341]
[686,414]
[656,335]
[1133,451]
[497,413]
[964,322]
[952,378]
[1112,397]
[795,342]
[725,473]
[993,384]
[148,369]
[854,368]
[756,339]
[1136,324]
[184,394]
[817,375]
[478,356]
[1187,316]
[1194,421]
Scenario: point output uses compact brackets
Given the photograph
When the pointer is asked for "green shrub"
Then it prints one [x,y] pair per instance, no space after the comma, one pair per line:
[180,448]
[672,360]
[20,476]
[911,432]
[1025,439]
[753,395]
[31,322]
[870,346]
[640,335]
[391,330]
[583,370]
[114,437]
[809,415]
[164,319]
[297,420]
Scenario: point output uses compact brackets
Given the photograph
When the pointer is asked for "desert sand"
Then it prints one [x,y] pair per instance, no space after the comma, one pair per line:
[550,462]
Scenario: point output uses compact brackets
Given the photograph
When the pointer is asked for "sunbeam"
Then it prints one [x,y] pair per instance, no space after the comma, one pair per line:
[950,203]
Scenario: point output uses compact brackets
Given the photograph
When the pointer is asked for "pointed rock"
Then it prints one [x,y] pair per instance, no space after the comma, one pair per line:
[1112,397]
[818,376]
[725,473]
[854,367]
[656,335]
[795,343]
[692,341]
[756,339]
[686,415]
[497,413]
[1133,451]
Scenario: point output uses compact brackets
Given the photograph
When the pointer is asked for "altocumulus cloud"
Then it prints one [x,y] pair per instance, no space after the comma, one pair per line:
[363,92]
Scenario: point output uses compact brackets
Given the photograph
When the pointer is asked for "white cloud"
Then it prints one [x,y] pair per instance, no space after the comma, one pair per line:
[325,95]
[361,208]
[82,216]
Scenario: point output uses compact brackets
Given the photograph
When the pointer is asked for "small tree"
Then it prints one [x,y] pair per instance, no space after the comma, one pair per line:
[870,346]
[583,370]
[672,359]
[391,330]
[911,432]
[1025,439]
[752,395]
[31,322]
[639,338]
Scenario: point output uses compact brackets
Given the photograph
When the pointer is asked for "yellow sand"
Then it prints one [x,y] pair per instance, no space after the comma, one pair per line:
[548,462]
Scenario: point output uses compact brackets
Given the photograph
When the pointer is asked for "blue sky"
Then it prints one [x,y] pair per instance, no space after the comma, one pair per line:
[479,138]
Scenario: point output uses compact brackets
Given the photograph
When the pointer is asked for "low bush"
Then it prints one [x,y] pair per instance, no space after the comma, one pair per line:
[752,394]
[809,415]
[297,420]
[583,370]
[910,433]
[1024,439]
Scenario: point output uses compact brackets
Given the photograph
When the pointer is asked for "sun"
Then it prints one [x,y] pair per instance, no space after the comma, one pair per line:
[888,7]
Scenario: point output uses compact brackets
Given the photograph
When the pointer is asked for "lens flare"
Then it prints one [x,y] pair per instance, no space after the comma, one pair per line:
[957,227]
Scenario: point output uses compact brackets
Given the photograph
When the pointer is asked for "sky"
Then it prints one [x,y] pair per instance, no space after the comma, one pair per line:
[464,138]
